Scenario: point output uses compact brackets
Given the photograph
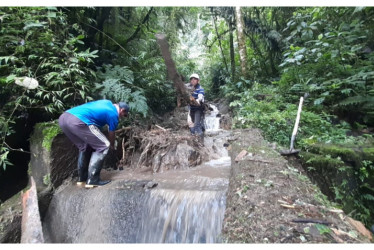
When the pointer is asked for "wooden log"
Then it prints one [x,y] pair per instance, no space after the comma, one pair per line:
[182,93]
[31,229]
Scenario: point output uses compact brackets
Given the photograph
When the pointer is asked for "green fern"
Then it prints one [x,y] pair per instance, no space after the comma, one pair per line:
[368,197]
[113,89]
[118,86]
[353,100]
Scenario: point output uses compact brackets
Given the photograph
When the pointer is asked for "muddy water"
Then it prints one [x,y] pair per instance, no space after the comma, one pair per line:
[179,206]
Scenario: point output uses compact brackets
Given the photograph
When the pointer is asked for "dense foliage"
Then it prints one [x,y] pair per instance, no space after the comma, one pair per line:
[41,44]
[326,54]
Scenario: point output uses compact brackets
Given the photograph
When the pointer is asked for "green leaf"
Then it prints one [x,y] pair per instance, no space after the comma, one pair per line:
[368,197]
[51,14]
[10,78]
[34,25]
[323,229]
[319,101]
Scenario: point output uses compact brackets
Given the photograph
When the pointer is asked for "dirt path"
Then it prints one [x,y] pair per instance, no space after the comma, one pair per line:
[271,200]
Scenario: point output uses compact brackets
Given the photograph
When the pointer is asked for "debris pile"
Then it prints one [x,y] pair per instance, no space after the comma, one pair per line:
[158,149]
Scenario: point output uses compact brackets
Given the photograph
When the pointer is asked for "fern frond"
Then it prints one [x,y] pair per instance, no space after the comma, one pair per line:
[368,197]
[353,100]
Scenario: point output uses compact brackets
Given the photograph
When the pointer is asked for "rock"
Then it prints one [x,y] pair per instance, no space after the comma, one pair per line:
[223,106]
[10,220]
[241,155]
[150,185]
[360,227]
[225,122]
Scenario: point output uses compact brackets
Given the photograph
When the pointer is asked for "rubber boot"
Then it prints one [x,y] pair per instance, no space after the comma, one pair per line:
[200,139]
[83,161]
[96,164]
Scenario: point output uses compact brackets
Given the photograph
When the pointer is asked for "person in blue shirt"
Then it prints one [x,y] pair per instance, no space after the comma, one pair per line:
[197,106]
[81,125]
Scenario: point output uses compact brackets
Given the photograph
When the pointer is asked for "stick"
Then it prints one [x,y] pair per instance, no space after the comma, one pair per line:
[122,129]
[261,161]
[296,123]
[287,206]
[307,220]
[123,151]
[283,202]
[160,127]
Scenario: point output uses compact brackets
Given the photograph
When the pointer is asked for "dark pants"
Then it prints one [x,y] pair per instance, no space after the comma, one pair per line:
[197,117]
[83,136]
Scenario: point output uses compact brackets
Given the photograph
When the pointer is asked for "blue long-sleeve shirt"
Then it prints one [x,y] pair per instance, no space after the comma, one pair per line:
[195,94]
[98,113]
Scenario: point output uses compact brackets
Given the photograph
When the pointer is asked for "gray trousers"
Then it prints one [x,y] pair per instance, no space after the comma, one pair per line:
[83,136]
[197,118]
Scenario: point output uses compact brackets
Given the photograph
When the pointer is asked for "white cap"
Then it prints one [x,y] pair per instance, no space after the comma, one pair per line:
[195,76]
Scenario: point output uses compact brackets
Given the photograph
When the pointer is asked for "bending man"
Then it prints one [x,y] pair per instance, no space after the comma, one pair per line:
[81,125]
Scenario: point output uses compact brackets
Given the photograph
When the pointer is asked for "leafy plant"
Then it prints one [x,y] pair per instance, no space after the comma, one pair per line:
[39,43]
[330,59]
[118,86]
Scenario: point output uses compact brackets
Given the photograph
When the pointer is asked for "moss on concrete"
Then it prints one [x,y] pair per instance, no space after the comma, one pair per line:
[321,161]
[346,169]
[350,154]
[49,130]
[368,153]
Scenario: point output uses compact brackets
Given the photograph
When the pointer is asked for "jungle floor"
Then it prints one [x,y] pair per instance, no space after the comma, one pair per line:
[271,200]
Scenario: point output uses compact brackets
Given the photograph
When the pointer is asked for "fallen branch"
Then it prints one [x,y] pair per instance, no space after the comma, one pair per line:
[306,220]
[122,129]
[264,161]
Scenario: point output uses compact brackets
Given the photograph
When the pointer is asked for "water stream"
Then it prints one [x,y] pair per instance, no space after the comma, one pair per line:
[186,206]
[212,120]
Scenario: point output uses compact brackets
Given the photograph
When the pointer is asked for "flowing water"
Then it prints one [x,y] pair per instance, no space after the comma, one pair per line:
[186,206]
[212,120]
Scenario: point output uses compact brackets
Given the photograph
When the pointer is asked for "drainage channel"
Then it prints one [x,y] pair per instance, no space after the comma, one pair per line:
[177,206]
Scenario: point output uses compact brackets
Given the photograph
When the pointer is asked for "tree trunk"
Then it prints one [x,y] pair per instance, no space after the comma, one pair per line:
[183,97]
[219,39]
[241,41]
[145,19]
[116,20]
[104,13]
[232,53]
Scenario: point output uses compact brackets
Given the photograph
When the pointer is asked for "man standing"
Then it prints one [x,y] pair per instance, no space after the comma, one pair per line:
[81,125]
[196,106]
